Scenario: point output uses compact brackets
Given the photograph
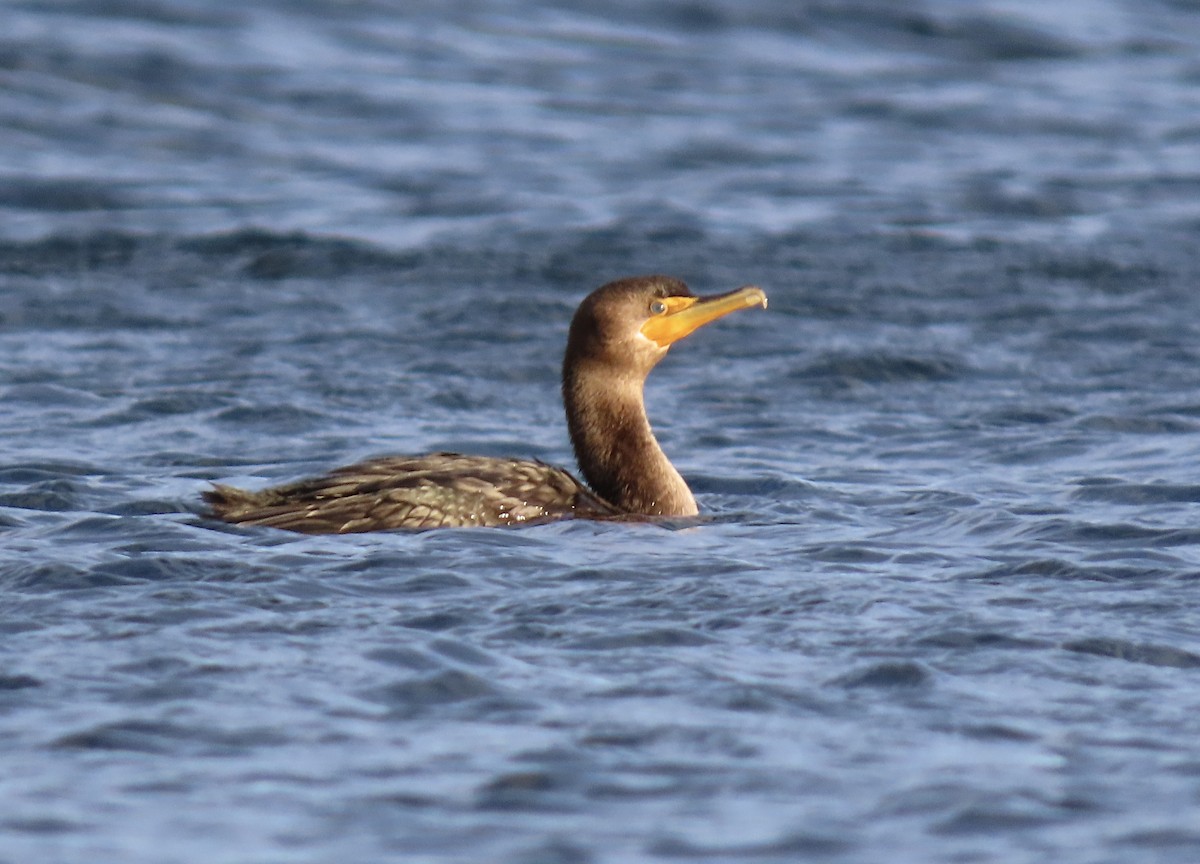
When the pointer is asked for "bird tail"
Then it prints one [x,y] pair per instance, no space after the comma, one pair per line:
[228,501]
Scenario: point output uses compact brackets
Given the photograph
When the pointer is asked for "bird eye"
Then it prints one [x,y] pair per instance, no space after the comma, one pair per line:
[657,307]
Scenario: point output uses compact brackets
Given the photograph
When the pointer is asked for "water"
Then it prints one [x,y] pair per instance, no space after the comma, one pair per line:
[941,607]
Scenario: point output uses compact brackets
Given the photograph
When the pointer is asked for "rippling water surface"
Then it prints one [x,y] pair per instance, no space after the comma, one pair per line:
[942,604]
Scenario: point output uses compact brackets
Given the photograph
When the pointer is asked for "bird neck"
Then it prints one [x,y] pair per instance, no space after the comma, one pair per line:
[616,449]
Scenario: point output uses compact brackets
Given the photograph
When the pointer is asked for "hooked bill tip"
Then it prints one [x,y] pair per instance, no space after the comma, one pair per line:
[755,296]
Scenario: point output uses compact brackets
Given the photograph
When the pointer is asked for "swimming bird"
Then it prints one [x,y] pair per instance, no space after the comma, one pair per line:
[618,334]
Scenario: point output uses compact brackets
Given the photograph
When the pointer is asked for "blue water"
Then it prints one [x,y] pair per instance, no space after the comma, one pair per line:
[942,605]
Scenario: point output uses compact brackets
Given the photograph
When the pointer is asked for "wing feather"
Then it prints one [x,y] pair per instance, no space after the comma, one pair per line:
[414,492]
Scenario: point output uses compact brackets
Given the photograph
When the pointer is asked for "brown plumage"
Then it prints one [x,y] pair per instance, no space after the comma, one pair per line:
[618,334]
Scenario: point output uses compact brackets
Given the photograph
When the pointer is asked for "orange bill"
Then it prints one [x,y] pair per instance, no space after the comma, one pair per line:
[685,314]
